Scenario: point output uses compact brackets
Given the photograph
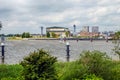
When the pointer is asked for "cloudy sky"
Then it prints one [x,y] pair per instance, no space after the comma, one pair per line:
[19,16]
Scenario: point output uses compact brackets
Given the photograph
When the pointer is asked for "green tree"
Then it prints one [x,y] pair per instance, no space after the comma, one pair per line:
[53,35]
[67,33]
[117,43]
[48,34]
[39,65]
[97,63]
[23,35]
[26,35]
[18,35]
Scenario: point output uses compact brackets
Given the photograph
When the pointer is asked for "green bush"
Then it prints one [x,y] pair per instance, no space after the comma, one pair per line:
[70,71]
[39,65]
[97,63]
[117,43]
[115,71]
[91,77]
[53,35]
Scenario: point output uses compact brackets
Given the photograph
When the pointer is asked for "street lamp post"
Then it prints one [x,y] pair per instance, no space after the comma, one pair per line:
[41,30]
[3,51]
[91,38]
[107,37]
[68,51]
[2,45]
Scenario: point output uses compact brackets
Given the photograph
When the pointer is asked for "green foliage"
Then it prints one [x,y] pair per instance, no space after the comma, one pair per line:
[97,63]
[92,77]
[17,35]
[115,71]
[117,35]
[26,35]
[48,34]
[11,78]
[70,71]
[53,35]
[7,71]
[39,65]
[67,33]
[117,43]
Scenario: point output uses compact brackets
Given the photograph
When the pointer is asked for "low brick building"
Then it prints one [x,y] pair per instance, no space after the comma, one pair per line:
[88,34]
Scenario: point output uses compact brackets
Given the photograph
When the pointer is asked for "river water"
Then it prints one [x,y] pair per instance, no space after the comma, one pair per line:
[16,50]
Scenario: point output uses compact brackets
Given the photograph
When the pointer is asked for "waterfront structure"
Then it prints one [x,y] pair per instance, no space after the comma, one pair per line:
[85,29]
[108,34]
[74,33]
[95,29]
[0,25]
[86,33]
[58,31]
[74,26]
[41,30]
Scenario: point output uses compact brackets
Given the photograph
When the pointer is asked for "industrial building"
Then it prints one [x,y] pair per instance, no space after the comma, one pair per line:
[58,31]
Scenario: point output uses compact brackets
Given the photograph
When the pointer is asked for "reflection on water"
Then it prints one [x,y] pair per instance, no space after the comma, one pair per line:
[17,50]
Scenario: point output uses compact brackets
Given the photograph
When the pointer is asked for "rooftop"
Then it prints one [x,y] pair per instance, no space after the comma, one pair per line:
[57,27]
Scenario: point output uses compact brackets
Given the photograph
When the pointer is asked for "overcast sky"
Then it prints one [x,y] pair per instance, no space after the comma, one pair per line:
[19,16]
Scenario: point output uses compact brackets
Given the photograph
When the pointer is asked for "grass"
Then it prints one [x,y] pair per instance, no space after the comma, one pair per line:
[14,38]
[10,71]
[74,70]
[70,70]
[65,71]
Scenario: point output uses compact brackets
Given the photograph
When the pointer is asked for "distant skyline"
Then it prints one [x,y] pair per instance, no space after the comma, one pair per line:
[18,16]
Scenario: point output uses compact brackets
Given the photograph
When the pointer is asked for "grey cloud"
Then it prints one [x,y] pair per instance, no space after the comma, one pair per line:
[45,6]
[29,13]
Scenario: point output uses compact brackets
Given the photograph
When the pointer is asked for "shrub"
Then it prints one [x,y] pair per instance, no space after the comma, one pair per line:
[97,63]
[91,77]
[70,71]
[115,71]
[117,43]
[53,35]
[39,65]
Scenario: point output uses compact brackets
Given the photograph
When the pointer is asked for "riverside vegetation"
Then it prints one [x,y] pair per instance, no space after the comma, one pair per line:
[39,65]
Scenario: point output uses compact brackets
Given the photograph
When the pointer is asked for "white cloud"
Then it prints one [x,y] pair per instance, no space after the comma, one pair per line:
[16,14]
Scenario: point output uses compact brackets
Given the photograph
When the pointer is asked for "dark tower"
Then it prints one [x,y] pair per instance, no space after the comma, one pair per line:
[41,31]
[74,33]
[0,25]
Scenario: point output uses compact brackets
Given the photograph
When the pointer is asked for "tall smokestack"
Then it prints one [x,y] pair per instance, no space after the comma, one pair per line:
[0,25]
[41,30]
[74,28]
